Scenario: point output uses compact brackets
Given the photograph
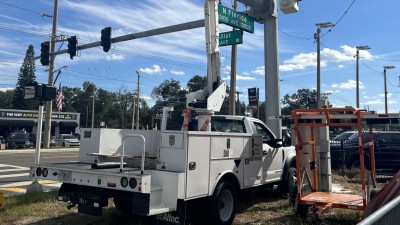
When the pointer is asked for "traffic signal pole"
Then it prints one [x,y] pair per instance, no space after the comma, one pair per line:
[47,124]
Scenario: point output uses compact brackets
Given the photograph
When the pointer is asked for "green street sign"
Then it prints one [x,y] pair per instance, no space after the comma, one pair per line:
[231,38]
[235,19]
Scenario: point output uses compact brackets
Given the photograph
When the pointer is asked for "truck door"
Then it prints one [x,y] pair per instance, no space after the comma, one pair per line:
[272,157]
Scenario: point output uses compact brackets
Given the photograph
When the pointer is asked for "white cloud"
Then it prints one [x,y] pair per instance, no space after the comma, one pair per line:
[241,77]
[304,60]
[177,72]
[340,66]
[155,69]
[6,89]
[350,84]
[260,70]
[114,57]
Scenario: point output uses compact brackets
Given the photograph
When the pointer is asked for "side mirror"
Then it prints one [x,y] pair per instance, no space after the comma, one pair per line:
[275,143]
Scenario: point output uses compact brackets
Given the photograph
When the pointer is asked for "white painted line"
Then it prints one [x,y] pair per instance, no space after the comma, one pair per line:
[15,175]
[13,170]
[19,167]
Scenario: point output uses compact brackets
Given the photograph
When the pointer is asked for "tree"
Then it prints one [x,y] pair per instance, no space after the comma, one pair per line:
[299,100]
[6,99]
[169,91]
[26,75]
[197,83]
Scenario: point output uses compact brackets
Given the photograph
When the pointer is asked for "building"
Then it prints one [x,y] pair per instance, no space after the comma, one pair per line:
[61,122]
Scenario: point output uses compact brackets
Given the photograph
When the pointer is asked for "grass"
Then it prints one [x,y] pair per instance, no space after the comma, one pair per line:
[263,207]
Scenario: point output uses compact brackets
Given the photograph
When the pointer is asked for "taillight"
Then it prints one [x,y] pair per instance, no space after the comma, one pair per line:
[45,172]
[39,171]
[124,182]
[132,183]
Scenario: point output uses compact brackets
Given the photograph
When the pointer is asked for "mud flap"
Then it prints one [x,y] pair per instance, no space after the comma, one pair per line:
[177,217]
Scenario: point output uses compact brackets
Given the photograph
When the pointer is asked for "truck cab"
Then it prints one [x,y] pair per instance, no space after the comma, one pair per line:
[277,157]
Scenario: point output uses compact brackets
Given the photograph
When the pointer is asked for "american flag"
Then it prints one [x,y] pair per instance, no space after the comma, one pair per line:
[59,98]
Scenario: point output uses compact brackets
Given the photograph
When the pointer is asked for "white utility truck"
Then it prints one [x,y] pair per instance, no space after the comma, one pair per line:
[149,172]
[158,173]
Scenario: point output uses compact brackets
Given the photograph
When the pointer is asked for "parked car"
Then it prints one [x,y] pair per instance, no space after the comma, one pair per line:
[344,136]
[66,140]
[17,140]
[386,149]
[32,139]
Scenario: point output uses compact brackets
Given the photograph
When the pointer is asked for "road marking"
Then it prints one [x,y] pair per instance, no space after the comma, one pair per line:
[13,170]
[15,175]
[56,157]
[20,187]
[19,167]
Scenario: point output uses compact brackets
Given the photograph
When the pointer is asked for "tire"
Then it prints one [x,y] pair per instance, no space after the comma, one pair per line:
[123,204]
[300,211]
[223,204]
[289,182]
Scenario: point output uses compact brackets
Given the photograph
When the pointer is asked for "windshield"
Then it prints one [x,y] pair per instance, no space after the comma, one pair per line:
[344,136]
[18,135]
[68,137]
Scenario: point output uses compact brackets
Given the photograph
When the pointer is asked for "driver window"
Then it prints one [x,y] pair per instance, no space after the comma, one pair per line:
[261,129]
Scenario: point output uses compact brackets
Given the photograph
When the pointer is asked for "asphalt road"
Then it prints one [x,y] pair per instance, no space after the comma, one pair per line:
[14,164]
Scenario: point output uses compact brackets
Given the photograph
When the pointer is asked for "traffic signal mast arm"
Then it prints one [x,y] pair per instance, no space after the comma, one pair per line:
[149,33]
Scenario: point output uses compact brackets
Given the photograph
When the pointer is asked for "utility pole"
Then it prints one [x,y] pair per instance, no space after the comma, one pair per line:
[232,90]
[318,39]
[138,97]
[357,73]
[87,115]
[47,124]
[133,110]
[384,77]
[238,100]
[94,90]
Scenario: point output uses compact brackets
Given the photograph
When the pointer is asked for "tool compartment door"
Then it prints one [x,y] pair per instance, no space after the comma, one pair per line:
[198,166]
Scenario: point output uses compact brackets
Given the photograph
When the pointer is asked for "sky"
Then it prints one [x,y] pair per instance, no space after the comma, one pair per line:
[182,55]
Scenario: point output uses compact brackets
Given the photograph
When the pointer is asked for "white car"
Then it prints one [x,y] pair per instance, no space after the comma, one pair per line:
[66,140]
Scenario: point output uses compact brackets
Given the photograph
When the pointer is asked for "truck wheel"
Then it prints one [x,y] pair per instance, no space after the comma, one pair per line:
[123,204]
[223,204]
[289,182]
[298,209]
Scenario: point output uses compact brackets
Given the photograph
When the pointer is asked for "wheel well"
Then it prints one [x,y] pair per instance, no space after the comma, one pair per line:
[231,178]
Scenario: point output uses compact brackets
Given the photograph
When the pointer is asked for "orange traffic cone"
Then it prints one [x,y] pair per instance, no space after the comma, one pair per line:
[205,125]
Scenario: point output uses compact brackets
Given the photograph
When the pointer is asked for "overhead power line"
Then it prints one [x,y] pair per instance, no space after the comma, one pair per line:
[340,19]
[28,10]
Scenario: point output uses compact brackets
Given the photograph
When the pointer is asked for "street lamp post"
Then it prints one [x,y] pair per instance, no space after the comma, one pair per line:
[357,73]
[317,38]
[384,77]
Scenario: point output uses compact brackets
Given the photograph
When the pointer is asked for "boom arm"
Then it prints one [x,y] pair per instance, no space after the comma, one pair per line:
[211,98]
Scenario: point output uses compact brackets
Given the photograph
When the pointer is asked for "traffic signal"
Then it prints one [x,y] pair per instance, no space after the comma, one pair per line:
[45,53]
[72,43]
[106,39]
